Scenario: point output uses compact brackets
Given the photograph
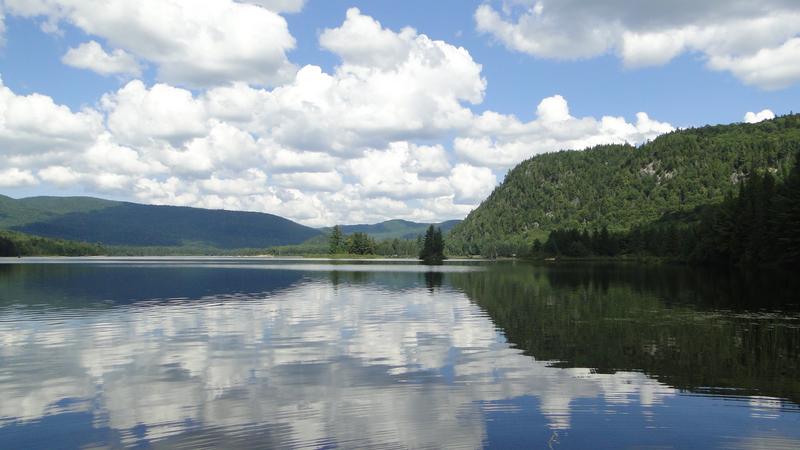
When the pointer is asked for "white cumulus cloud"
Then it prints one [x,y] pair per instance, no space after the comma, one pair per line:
[501,141]
[752,117]
[138,114]
[472,184]
[755,41]
[34,124]
[388,133]
[219,42]
[90,55]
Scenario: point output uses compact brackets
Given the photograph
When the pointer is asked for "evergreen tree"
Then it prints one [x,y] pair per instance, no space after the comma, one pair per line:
[438,244]
[360,244]
[432,246]
[336,241]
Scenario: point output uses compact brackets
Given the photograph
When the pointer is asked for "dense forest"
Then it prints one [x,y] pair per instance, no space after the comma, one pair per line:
[661,186]
[355,244]
[760,225]
[363,244]
[18,244]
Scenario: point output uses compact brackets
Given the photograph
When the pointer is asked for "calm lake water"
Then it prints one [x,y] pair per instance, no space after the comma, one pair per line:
[234,353]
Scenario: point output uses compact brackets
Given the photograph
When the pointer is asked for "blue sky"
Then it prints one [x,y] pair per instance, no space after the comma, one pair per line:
[533,77]
[683,92]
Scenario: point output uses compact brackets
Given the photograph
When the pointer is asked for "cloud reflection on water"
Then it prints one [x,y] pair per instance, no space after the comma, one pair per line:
[360,364]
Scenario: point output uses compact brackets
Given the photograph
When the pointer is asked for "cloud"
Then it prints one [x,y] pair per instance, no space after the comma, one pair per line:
[282,160]
[393,173]
[376,96]
[59,175]
[752,117]
[769,68]
[222,42]
[121,373]
[165,145]
[389,133]
[501,141]
[138,114]
[755,41]
[311,181]
[14,177]
[90,55]
[472,184]
[254,184]
[279,6]
[34,125]
[389,87]
[363,42]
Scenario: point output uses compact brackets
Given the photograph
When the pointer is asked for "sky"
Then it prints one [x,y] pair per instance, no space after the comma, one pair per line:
[329,111]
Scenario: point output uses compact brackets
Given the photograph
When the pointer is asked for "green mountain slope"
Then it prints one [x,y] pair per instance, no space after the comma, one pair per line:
[620,186]
[38,209]
[400,229]
[129,224]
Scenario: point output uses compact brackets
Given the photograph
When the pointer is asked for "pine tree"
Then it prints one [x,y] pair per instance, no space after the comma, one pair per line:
[432,246]
[336,241]
[438,244]
[360,244]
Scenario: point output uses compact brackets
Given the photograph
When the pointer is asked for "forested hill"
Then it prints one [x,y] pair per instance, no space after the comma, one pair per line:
[621,186]
[129,224]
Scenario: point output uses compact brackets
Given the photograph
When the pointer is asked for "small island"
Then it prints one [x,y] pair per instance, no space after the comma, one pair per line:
[432,252]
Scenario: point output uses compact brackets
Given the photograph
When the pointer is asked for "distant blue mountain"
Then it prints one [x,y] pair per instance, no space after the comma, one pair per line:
[129,224]
[400,229]
[115,223]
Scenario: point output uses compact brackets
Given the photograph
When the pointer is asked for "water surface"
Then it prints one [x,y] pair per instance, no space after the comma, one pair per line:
[241,353]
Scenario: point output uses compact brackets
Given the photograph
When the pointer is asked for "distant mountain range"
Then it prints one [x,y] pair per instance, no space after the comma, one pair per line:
[127,224]
[400,229]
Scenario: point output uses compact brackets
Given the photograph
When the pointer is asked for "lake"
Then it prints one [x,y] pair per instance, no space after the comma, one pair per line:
[259,353]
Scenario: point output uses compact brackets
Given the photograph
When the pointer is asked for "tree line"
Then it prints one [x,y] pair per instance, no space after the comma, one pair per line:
[429,248]
[13,244]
